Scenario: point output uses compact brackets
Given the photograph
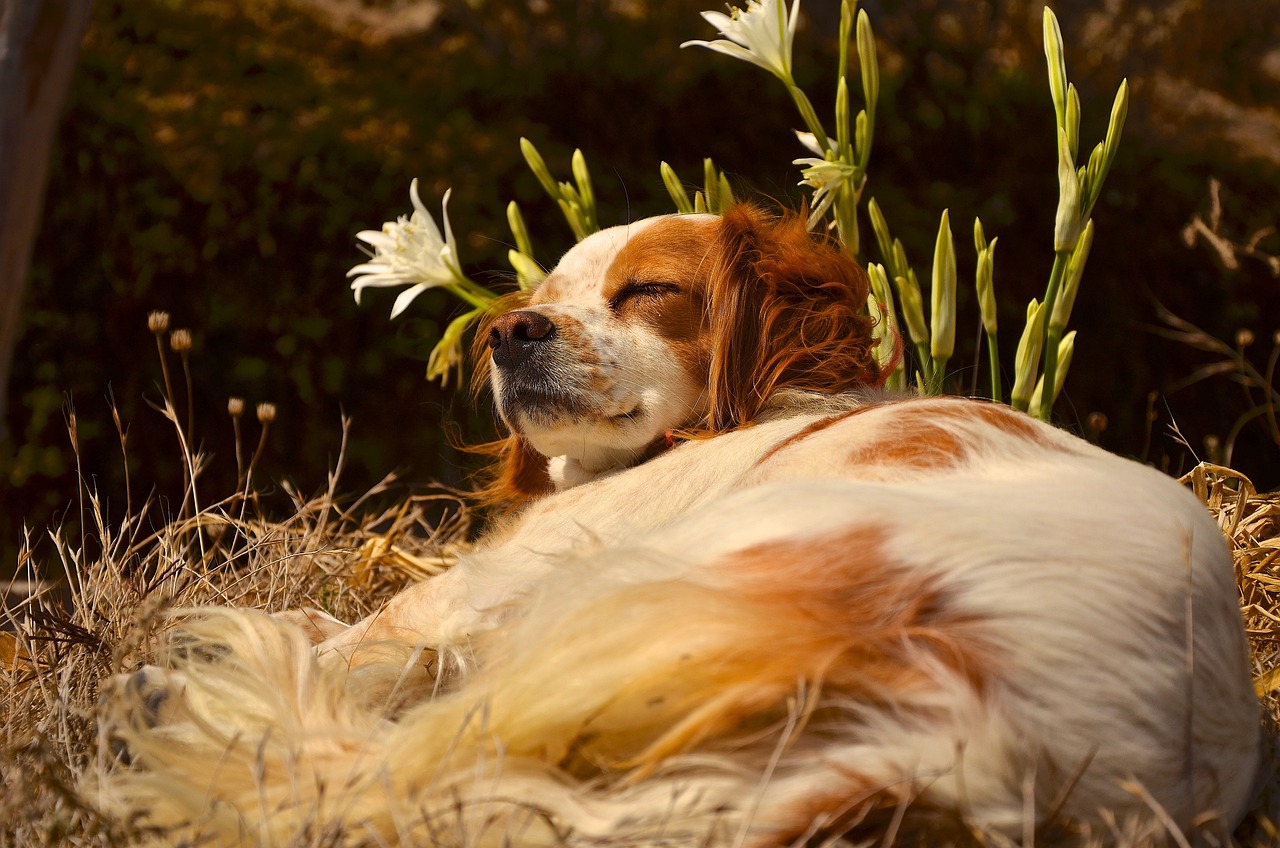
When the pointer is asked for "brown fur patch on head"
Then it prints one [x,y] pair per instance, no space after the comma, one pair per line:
[786,310]
[678,253]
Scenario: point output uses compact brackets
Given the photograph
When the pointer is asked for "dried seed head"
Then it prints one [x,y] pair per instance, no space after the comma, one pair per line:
[266,412]
[180,341]
[1244,337]
[1095,424]
[158,322]
[235,407]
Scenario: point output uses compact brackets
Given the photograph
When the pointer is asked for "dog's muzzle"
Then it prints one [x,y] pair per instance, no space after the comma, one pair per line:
[523,345]
[517,337]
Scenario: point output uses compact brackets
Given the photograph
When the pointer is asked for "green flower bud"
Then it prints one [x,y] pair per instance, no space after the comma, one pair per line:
[539,167]
[528,272]
[518,231]
[867,62]
[1066,348]
[676,189]
[1057,67]
[1068,221]
[912,307]
[1072,122]
[943,311]
[986,286]
[585,193]
[1027,359]
[1071,279]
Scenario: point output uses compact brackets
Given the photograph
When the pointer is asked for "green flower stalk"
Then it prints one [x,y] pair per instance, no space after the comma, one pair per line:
[942,340]
[1067,223]
[528,272]
[909,295]
[1078,191]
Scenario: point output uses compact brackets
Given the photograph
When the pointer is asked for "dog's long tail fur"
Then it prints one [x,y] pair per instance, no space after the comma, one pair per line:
[573,704]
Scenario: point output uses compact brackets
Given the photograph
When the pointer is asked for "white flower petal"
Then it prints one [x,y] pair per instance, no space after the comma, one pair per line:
[729,49]
[377,238]
[415,199]
[450,244]
[367,268]
[406,297]
[719,20]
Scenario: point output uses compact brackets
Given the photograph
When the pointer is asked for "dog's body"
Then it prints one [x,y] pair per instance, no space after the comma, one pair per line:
[740,634]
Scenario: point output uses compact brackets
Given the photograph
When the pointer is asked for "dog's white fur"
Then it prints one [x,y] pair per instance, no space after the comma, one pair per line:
[762,635]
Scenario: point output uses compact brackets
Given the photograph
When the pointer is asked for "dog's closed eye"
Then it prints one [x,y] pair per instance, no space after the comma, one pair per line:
[636,292]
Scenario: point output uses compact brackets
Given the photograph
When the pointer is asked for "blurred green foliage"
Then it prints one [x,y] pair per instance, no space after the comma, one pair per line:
[217,156]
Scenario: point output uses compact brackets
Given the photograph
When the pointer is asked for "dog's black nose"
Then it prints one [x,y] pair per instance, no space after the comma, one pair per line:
[513,337]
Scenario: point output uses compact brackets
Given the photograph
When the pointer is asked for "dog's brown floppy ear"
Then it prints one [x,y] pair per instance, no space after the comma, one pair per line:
[786,310]
[516,475]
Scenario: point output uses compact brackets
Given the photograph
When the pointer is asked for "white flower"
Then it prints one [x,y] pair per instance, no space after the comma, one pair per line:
[409,252]
[825,178]
[761,34]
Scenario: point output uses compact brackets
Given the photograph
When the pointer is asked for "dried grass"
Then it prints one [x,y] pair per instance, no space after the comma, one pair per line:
[345,560]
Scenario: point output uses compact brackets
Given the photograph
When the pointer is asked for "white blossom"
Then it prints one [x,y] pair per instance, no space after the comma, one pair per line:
[409,252]
[760,34]
[825,178]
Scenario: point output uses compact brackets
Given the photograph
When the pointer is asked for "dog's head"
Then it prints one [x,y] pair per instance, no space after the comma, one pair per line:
[673,323]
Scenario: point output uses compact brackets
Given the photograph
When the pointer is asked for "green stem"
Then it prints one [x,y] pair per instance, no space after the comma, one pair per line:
[846,208]
[810,118]
[1052,335]
[467,290]
[939,368]
[993,353]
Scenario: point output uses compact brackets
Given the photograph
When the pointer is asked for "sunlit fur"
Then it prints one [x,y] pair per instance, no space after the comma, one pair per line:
[831,613]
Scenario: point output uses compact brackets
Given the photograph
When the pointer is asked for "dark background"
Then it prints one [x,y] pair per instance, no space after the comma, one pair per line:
[216,158]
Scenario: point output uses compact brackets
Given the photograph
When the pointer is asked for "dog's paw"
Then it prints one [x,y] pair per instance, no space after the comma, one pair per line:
[137,702]
[150,696]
